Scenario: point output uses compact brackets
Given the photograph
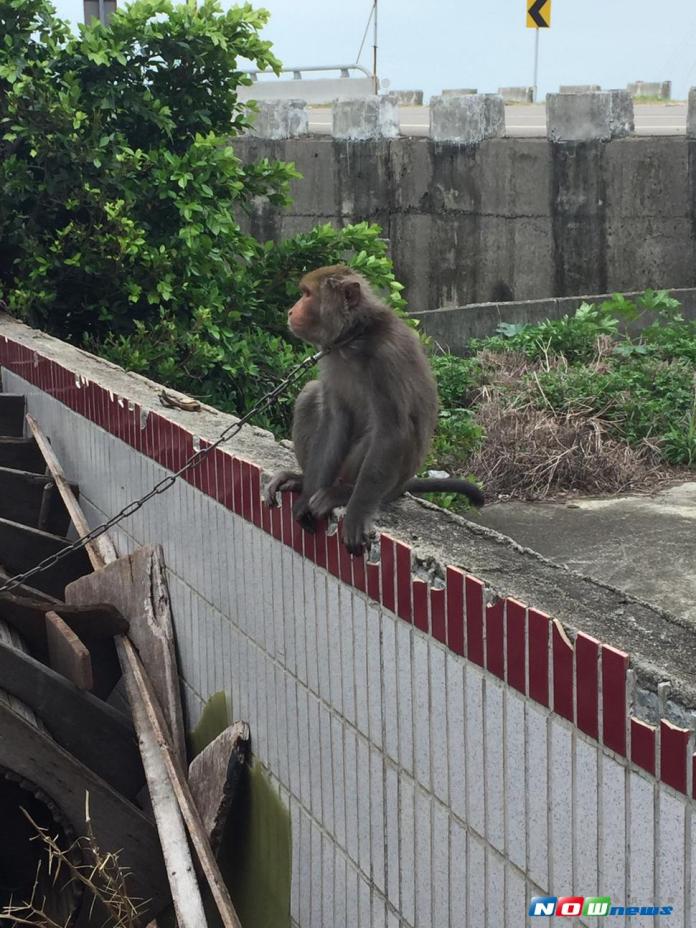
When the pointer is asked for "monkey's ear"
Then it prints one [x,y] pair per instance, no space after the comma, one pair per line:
[352,293]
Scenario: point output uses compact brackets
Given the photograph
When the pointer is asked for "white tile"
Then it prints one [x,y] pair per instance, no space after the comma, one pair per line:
[272,715]
[289,608]
[641,846]
[296,886]
[327,791]
[585,818]
[495,762]
[364,904]
[475,768]
[314,890]
[314,756]
[305,758]
[377,822]
[306,876]
[310,621]
[293,781]
[347,656]
[276,580]
[379,914]
[390,701]
[405,694]
[334,644]
[364,805]
[360,652]
[350,764]
[340,888]
[441,865]
[283,738]
[407,843]
[516,901]
[299,616]
[560,804]
[515,780]
[495,890]
[612,828]
[421,710]
[327,881]
[267,593]
[692,919]
[391,806]
[476,877]
[537,795]
[671,878]
[261,748]
[352,916]
[423,870]
[455,744]
[322,642]
[338,781]
[374,673]
[438,723]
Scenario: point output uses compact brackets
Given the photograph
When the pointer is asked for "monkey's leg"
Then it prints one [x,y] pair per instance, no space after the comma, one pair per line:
[285,481]
[324,501]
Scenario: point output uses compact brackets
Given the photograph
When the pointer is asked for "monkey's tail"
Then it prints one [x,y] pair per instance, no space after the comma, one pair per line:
[446,485]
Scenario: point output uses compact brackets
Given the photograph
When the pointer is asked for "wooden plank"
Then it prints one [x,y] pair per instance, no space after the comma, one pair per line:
[118,825]
[53,516]
[21,495]
[22,547]
[136,586]
[21,454]
[100,551]
[90,729]
[215,776]
[67,655]
[12,407]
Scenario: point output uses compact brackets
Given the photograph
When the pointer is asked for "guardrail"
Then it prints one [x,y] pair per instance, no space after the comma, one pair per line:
[313,90]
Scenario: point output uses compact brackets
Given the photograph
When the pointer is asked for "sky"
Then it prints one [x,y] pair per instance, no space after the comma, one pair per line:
[433,44]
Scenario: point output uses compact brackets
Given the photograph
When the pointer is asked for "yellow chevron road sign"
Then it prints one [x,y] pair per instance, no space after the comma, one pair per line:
[538,14]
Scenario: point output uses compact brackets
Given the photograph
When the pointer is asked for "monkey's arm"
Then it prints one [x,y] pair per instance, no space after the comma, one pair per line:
[327,450]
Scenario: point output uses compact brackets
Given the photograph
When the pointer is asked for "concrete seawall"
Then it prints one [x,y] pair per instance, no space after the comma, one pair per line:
[508,219]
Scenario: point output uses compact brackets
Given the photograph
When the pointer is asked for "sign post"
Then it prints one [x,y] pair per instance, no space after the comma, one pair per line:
[538,17]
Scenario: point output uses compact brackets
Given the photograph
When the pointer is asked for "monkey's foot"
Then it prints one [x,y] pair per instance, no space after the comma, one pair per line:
[301,513]
[356,537]
[324,501]
[285,481]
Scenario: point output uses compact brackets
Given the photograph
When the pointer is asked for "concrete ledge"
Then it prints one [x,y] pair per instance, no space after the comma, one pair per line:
[584,117]
[467,120]
[517,94]
[579,88]
[280,119]
[661,89]
[408,97]
[362,118]
[691,115]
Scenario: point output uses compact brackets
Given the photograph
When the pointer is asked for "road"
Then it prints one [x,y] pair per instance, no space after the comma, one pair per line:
[530,121]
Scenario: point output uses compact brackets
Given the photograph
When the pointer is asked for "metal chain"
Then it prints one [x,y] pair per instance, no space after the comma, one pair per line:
[264,403]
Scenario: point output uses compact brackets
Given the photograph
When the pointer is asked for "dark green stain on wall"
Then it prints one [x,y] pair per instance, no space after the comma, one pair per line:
[256,850]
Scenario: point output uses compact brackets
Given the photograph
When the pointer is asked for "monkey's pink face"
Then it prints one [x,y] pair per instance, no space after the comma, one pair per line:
[304,317]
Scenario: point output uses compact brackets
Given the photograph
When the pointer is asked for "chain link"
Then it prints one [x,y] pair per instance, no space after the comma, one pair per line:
[163,485]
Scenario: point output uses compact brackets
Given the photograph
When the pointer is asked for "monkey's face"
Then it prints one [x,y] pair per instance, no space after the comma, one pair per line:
[304,318]
[326,306]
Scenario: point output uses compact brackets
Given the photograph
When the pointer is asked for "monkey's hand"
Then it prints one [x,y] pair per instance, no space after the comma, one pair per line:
[355,534]
[324,501]
[283,482]
[303,514]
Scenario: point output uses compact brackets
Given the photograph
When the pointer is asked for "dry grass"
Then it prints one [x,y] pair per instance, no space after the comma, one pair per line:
[533,453]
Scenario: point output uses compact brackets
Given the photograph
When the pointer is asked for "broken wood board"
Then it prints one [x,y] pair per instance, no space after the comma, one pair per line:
[215,775]
[21,454]
[118,825]
[12,407]
[67,655]
[95,733]
[136,586]
[24,498]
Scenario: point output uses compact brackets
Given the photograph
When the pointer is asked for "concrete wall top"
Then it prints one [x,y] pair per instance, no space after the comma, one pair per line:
[128,406]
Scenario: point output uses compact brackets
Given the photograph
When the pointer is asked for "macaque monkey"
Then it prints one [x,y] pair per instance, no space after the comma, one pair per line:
[364,428]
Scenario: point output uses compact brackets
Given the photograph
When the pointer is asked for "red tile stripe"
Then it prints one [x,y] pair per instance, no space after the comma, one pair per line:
[515,619]
[643,740]
[674,746]
[562,671]
[587,681]
[614,668]
[514,636]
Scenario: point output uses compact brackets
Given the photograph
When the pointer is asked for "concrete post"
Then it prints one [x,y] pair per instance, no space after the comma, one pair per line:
[661,89]
[362,118]
[691,115]
[579,88]
[584,117]
[408,97]
[517,94]
[467,120]
[462,92]
[280,119]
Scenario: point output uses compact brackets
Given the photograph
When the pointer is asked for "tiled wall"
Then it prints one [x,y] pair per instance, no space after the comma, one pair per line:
[444,755]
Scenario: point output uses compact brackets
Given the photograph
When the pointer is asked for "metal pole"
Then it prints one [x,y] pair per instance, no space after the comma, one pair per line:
[536,63]
[374,50]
